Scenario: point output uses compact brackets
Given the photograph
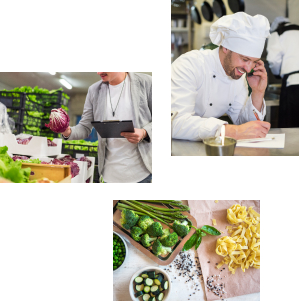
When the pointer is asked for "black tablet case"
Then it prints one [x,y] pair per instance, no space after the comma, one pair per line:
[112,129]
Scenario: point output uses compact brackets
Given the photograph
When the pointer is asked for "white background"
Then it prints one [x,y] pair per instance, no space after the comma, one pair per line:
[55,240]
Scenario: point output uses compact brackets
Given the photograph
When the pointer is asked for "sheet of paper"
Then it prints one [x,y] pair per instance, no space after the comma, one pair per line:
[277,142]
[235,285]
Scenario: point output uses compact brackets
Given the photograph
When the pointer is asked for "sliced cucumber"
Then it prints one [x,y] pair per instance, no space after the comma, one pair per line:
[144,275]
[160,277]
[151,274]
[164,284]
[157,282]
[138,294]
[146,297]
[147,289]
[152,299]
[148,281]
[138,280]
[139,287]
[160,297]
[155,290]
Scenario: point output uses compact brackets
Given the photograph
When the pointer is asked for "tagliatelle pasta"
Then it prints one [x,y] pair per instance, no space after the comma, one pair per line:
[242,247]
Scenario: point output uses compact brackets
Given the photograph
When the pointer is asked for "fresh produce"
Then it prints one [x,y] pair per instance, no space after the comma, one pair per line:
[59,120]
[129,219]
[196,238]
[119,252]
[85,159]
[159,249]
[181,228]
[150,287]
[164,215]
[11,170]
[144,222]
[169,240]
[136,232]
[242,248]
[155,229]
[146,240]
[27,140]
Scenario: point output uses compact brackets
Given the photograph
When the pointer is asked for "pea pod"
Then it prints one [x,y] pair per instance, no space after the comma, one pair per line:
[210,230]
[190,242]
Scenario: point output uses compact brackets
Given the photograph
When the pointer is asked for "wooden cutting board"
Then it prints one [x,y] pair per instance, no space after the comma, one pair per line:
[161,260]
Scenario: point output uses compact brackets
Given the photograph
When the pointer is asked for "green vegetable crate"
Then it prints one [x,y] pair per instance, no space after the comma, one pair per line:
[31,108]
[74,147]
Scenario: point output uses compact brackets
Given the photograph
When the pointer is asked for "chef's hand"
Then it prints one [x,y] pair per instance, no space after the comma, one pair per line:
[136,136]
[258,84]
[248,130]
[67,132]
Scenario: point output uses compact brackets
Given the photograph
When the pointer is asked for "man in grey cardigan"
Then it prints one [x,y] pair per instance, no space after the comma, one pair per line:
[120,96]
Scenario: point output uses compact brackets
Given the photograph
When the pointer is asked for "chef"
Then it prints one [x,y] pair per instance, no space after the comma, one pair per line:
[207,84]
[283,58]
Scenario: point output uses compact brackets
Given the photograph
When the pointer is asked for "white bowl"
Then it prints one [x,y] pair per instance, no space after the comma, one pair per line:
[126,251]
[150,268]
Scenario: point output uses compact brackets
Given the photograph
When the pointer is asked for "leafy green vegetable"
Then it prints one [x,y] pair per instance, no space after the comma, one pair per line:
[210,230]
[11,170]
[190,242]
[198,242]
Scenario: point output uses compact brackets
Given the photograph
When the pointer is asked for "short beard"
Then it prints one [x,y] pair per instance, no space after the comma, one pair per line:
[228,67]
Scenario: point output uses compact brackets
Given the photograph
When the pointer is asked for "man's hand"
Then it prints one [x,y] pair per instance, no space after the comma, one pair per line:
[67,132]
[248,130]
[258,84]
[136,136]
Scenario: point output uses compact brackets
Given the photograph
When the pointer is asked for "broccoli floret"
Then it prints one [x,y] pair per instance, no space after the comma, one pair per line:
[166,232]
[144,222]
[136,232]
[182,229]
[169,240]
[129,219]
[146,240]
[158,249]
[155,229]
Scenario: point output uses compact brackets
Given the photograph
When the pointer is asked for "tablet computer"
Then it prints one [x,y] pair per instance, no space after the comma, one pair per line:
[113,128]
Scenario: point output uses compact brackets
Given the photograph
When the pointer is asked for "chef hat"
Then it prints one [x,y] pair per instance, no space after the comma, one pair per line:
[241,33]
[277,21]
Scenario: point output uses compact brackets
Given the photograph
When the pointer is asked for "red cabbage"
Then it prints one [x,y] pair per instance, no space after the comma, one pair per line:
[86,160]
[67,160]
[20,158]
[51,143]
[59,121]
[24,141]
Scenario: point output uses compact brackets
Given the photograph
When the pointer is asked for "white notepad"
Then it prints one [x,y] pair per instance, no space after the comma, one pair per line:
[277,142]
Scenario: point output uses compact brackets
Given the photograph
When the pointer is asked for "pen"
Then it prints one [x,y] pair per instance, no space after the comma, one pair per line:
[256,116]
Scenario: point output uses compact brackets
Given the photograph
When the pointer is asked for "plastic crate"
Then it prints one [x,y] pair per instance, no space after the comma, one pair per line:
[12,100]
[76,149]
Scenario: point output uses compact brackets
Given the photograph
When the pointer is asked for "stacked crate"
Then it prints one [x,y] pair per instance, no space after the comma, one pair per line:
[31,111]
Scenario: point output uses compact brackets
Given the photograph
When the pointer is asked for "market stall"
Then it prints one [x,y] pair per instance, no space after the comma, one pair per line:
[30,139]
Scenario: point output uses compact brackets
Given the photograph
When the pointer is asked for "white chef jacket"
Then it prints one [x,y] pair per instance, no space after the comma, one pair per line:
[201,92]
[283,55]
